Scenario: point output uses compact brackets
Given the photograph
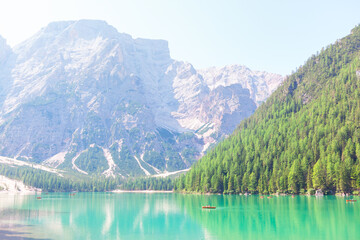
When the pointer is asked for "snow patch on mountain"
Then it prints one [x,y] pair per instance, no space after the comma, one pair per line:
[111,170]
[145,171]
[8,185]
[15,162]
[55,160]
[74,166]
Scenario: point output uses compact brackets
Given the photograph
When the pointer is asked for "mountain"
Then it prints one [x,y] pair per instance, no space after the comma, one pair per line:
[260,84]
[306,136]
[5,50]
[81,96]
[5,70]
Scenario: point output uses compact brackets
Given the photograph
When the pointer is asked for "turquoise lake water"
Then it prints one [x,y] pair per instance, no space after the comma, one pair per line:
[177,216]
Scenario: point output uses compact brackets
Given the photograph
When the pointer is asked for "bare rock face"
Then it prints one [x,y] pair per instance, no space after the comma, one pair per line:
[6,63]
[5,50]
[260,84]
[80,95]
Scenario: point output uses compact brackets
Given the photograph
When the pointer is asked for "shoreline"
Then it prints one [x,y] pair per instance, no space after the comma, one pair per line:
[142,191]
[269,194]
[221,194]
[14,186]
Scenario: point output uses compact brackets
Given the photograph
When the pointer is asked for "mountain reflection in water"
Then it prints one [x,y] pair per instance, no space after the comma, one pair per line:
[177,216]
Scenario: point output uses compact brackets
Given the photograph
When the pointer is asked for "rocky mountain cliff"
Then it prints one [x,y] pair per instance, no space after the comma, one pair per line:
[260,84]
[80,95]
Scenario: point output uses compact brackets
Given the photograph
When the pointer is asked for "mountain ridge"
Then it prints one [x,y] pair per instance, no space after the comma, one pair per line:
[80,92]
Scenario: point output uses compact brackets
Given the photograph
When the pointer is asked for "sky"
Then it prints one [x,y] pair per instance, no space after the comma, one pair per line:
[275,36]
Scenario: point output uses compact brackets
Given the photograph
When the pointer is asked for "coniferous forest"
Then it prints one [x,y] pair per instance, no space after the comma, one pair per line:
[50,182]
[306,136]
[148,183]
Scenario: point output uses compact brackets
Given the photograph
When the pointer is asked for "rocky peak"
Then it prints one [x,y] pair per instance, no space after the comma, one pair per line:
[260,84]
[5,50]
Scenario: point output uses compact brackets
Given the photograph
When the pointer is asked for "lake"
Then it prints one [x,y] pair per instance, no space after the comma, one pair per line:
[176,216]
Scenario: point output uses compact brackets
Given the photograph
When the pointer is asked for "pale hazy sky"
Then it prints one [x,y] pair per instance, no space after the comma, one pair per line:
[275,36]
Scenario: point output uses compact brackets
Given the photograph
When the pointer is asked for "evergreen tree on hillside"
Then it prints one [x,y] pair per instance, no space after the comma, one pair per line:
[306,135]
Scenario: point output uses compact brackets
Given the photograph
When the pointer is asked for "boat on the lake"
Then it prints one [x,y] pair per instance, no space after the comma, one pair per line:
[209,207]
[38,197]
[350,200]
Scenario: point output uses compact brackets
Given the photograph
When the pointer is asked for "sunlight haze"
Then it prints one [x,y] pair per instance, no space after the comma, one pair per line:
[274,36]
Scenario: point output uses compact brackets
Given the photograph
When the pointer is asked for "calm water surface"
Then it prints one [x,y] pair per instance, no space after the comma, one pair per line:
[177,216]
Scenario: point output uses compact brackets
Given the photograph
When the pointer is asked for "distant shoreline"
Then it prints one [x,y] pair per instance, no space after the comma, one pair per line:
[142,191]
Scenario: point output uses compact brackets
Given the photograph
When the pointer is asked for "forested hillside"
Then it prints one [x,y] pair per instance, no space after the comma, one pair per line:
[306,136]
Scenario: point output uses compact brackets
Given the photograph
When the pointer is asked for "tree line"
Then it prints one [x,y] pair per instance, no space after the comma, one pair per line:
[50,182]
[148,183]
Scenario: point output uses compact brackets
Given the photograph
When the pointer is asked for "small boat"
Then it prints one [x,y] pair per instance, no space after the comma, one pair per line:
[269,197]
[261,197]
[38,197]
[350,200]
[208,207]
